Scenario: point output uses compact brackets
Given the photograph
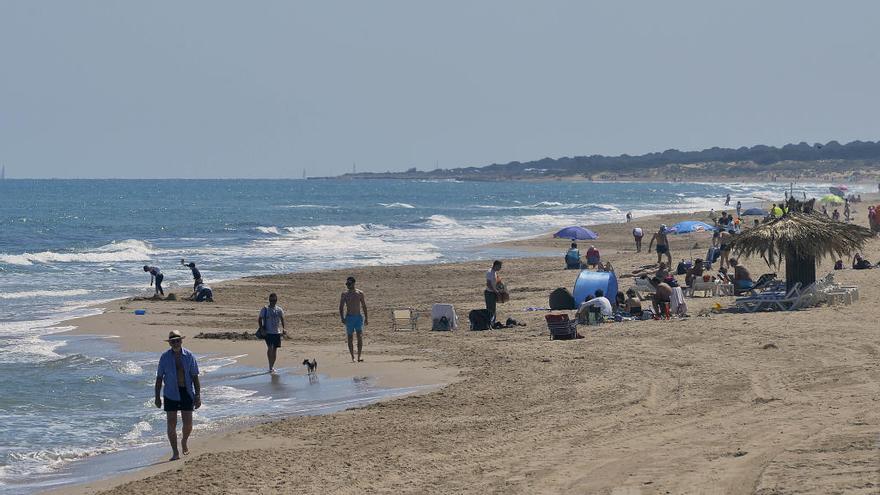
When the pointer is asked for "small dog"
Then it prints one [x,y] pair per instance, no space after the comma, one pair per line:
[312,365]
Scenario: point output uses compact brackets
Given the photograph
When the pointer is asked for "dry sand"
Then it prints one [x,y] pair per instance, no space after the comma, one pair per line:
[693,405]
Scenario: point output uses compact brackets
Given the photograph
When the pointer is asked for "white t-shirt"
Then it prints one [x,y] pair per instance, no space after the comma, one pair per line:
[272,318]
[491,279]
[601,302]
[637,232]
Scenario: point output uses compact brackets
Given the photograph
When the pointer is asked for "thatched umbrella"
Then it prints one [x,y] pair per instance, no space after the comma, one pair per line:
[801,237]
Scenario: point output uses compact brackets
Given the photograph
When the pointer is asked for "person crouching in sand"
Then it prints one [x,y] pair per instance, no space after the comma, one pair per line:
[179,371]
[350,304]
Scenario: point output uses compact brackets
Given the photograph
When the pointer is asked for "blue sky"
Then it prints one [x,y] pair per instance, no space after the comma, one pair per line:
[269,89]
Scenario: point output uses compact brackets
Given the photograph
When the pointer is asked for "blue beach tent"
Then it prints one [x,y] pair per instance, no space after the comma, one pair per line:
[588,281]
[575,232]
[755,212]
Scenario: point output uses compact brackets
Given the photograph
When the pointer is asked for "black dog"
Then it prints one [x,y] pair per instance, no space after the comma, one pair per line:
[312,365]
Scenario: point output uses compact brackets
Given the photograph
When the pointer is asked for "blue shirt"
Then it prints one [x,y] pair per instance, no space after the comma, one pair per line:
[168,372]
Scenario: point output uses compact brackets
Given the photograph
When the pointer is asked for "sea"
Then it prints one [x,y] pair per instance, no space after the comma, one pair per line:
[75,408]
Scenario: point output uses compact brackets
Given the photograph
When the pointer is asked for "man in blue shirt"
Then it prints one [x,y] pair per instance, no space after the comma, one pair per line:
[179,371]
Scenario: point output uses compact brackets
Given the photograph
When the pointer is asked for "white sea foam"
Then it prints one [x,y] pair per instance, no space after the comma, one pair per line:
[308,206]
[127,250]
[397,205]
[43,293]
[268,230]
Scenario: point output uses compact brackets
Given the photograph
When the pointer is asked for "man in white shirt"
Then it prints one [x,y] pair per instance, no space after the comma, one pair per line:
[599,301]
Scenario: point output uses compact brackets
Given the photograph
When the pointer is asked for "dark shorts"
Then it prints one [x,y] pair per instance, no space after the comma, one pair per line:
[662,249]
[725,247]
[184,404]
[273,340]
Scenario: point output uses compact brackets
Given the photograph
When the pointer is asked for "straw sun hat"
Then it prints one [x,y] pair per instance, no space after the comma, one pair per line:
[174,335]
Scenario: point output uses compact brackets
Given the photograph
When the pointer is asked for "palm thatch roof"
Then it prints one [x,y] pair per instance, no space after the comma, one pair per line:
[803,234]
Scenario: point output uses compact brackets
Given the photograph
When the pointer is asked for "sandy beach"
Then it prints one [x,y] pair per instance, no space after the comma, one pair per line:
[727,403]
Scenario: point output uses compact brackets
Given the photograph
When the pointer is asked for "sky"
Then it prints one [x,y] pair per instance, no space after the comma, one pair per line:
[224,89]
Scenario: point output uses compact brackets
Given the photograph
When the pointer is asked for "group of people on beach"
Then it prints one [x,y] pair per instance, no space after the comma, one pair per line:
[201,291]
[177,386]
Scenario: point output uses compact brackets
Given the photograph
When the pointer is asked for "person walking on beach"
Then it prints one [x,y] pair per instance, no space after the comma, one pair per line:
[629,217]
[727,200]
[179,372]
[271,320]
[197,275]
[662,245]
[637,236]
[351,303]
[155,277]
[739,207]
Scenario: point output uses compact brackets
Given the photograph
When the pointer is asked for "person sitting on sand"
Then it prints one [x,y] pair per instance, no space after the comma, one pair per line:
[155,277]
[742,278]
[597,301]
[694,273]
[202,293]
[662,272]
[197,275]
[593,257]
[860,263]
[835,215]
[632,304]
[179,372]
[662,295]
[351,303]
[573,257]
[662,245]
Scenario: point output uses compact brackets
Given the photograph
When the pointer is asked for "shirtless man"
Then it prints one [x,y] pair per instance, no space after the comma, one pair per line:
[662,245]
[662,295]
[350,305]
[724,238]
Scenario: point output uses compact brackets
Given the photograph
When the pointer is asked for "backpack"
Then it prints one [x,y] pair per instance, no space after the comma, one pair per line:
[479,319]
[561,298]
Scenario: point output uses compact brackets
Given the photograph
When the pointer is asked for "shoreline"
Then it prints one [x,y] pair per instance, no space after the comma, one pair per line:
[531,277]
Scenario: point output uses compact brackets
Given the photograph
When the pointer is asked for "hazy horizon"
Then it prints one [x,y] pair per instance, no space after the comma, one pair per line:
[225,90]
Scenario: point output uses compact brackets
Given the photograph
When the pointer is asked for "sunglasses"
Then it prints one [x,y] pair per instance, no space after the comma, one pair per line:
[175,341]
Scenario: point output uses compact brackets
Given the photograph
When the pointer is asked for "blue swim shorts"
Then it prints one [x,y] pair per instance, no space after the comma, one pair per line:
[354,323]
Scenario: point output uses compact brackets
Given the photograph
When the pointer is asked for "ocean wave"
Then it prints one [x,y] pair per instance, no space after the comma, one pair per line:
[320,207]
[397,205]
[268,230]
[127,250]
[43,293]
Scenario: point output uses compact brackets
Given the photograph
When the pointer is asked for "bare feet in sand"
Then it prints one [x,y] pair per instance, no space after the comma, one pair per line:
[184,448]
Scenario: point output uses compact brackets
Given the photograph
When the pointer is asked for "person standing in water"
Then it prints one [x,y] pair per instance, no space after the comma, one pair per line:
[272,321]
[155,277]
[662,245]
[351,303]
[179,372]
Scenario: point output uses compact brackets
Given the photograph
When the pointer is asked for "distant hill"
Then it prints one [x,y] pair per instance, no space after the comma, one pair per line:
[832,160]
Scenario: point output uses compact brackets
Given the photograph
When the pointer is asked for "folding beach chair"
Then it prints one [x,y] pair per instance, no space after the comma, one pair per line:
[401,318]
[709,288]
[561,327]
[643,287]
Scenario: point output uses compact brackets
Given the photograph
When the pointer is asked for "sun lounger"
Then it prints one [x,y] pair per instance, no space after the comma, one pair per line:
[438,311]
[709,288]
[403,318]
[561,327]
[785,301]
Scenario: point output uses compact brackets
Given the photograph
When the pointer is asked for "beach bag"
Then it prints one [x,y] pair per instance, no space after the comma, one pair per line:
[261,333]
[682,268]
[561,298]
[479,319]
